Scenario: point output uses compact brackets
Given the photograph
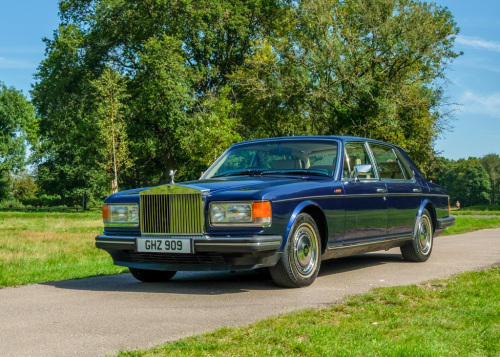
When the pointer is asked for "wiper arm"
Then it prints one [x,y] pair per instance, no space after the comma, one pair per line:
[297,171]
[240,172]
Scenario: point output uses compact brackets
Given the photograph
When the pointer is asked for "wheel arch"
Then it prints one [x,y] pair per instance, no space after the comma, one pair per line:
[312,209]
[429,206]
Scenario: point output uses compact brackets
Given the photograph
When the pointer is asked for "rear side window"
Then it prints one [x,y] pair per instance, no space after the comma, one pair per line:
[389,164]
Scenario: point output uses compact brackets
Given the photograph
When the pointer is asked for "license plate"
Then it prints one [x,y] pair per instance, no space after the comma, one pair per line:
[164,245]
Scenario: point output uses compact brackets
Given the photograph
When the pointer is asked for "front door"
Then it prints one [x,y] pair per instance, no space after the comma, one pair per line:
[366,212]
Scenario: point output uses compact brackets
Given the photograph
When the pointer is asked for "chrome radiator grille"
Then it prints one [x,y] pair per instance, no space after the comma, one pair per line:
[171,213]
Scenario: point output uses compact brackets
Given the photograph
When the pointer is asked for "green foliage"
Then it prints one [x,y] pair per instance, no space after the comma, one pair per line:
[491,164]
[109,120]
[467,181]
[362,68]
[17,127]
[192,77]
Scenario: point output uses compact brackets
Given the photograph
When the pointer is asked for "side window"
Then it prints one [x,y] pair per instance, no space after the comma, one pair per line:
[406,169]
[389,165]
[356,154]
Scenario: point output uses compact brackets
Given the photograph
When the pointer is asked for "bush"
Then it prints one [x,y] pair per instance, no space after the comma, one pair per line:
[42,201]
[11,203]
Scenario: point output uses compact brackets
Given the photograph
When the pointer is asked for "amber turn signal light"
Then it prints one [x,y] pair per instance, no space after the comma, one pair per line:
[261,209]
[105,211]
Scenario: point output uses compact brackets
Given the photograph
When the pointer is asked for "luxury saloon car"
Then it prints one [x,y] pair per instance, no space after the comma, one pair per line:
[284,204]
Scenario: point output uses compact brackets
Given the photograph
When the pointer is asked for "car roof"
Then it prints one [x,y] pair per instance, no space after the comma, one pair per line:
[343,139]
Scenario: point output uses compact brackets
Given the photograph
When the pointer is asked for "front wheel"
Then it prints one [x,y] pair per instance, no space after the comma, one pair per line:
[301,259]
[151,276]
[420,248]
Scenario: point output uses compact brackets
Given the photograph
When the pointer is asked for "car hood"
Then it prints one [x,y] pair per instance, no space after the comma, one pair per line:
[240,187]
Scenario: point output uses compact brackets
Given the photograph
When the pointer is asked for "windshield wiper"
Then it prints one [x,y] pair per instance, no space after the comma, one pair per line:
[297,171]
[240,172]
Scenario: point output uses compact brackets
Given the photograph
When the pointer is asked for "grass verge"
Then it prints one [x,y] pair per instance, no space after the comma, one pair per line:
[466,224]
[40,247]
[459,316]
[481,210]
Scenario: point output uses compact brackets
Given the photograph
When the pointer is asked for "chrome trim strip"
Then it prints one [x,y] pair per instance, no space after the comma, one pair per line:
[361,195]
[367,243]
[254,244]
[115,241]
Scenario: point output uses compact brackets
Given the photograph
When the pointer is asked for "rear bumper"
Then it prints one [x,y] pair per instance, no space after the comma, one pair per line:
[443,223]
[210,253]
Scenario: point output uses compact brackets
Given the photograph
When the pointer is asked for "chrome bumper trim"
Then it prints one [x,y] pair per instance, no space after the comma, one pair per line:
[233,244]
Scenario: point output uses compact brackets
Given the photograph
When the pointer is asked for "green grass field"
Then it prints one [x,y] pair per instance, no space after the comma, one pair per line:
[47,246]
[459,316]
[482,210]
[40,247]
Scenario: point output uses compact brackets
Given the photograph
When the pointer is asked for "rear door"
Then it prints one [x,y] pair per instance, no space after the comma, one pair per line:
[403,191]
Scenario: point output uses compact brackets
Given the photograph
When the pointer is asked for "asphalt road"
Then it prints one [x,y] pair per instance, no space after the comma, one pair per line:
[97,316]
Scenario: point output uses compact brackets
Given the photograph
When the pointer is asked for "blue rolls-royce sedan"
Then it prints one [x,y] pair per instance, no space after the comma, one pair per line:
[284,204]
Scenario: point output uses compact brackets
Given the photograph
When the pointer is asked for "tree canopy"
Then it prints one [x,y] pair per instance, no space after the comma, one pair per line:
[193,77]
[17,127]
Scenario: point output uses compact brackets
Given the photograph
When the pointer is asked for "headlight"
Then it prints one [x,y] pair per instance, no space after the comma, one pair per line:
[240,213]
[125,214]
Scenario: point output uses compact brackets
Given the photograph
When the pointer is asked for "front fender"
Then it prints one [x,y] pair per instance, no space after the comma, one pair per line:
[300,207]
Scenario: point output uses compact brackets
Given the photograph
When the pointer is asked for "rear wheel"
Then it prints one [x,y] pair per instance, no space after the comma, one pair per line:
[420,248]
[299,265]
[151,276]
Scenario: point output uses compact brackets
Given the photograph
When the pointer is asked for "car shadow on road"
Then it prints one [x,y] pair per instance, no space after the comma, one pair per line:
[346,264]
[217,283]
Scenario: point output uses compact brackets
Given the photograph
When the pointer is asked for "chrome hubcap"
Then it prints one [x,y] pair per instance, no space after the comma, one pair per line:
[305,250]
[425,235]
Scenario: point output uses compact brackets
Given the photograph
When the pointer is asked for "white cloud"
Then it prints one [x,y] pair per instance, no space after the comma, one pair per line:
[9,63]
[481,104]
[478,43]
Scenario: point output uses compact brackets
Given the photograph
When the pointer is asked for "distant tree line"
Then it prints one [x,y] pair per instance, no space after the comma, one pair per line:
[131,89]
[472,181]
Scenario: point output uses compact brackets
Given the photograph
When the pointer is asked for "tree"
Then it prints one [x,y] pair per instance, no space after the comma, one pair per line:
[64,97]
[200,75]
[17,127]
[467,181]
[354,67]
[175,58]
[111,94]
[491,163]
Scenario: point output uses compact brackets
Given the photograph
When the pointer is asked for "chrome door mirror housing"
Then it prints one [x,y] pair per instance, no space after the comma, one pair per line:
[362,170]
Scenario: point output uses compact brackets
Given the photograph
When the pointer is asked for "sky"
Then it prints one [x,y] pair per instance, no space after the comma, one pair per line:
[473,79]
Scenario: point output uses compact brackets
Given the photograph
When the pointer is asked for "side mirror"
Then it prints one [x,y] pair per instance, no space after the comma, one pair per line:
[362,170]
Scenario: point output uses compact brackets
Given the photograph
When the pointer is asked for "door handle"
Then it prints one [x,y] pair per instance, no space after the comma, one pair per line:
[381,190]
[417,190]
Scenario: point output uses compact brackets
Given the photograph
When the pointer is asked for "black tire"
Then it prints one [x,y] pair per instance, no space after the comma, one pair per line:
[151,276]
[299,265]
[420,248]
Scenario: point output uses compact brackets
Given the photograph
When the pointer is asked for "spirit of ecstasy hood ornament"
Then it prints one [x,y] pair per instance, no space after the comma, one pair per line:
[172,174]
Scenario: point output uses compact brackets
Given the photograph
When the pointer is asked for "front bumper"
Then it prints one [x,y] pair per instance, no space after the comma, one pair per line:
[210,253]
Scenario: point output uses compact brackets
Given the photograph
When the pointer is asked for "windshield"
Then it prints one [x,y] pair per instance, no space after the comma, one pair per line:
[294,157]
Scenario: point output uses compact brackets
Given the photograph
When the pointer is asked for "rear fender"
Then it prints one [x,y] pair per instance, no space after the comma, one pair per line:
[430,207]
